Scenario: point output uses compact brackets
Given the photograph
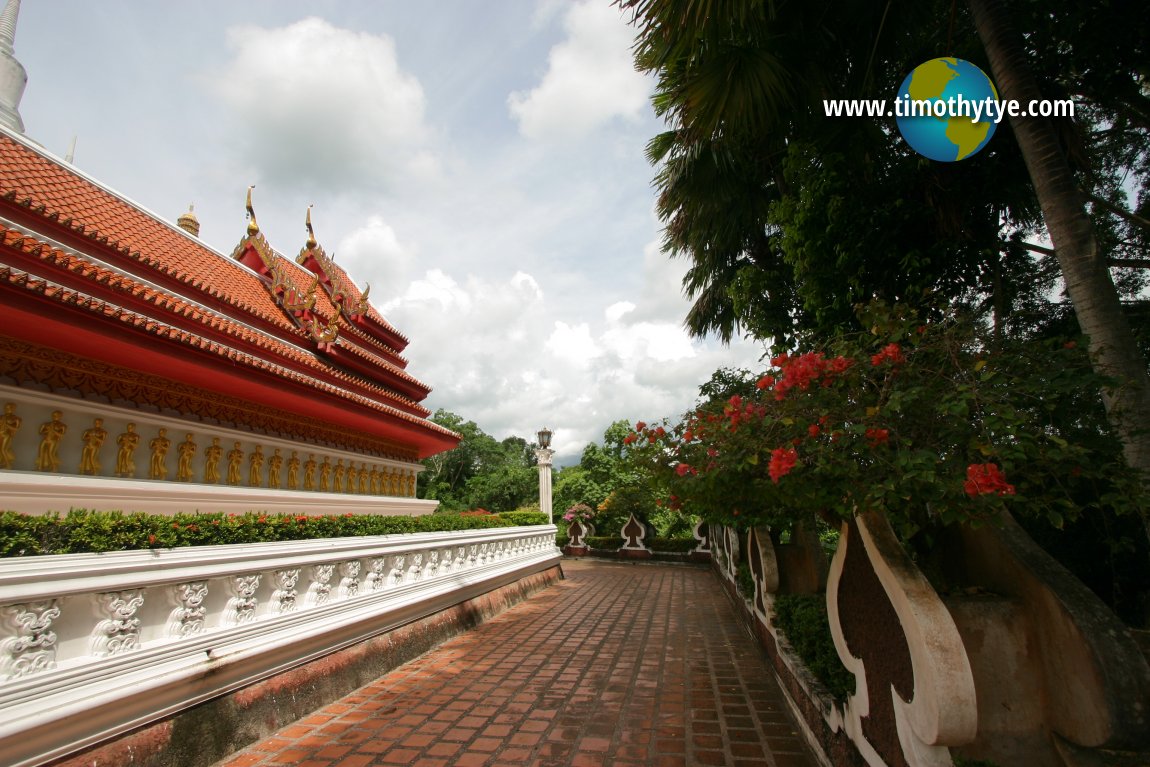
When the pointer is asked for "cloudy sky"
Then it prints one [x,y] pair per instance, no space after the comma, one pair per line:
[479,163]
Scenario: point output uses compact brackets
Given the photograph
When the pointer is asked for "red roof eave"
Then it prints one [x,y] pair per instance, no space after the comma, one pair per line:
[41,321]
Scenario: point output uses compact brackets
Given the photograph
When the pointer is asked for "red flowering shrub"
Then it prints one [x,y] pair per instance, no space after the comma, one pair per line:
[783,459]
[984,479]
[928,433]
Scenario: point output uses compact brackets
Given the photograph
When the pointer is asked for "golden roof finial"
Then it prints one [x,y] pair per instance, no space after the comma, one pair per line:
[253,227]
[188,222]
[311,243]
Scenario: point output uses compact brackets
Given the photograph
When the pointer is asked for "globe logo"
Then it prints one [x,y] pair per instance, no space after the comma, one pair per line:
[963,110]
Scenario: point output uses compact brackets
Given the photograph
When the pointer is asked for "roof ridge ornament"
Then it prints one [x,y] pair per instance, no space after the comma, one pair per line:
[311,241]
[253,225]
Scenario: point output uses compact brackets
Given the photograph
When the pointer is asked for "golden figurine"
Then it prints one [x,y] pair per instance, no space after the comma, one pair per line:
[340,471]
[90,454]
[325,475]
[159,445]
[235,460]
[9,425]
[309,473]
[255,466]
[374,477]
[364,480]
[212,455]
[48,458]
[125,456]
[293,471]
[274,464]
[185,452]
[410,484]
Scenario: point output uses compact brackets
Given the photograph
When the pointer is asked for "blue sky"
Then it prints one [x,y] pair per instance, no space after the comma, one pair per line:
[480,164]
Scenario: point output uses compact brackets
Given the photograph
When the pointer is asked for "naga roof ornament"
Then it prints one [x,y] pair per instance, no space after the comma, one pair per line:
[255,252]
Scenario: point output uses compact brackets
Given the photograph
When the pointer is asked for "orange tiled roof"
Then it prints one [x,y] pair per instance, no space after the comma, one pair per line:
[201,298]
[201,323]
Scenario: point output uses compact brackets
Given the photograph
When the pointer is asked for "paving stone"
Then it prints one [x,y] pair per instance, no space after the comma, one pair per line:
[618,664]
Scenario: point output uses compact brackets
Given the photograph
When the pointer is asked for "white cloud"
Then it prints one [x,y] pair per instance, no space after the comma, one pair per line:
[512,368]
[314,104]
[374,249]
[573,343]
[590,78]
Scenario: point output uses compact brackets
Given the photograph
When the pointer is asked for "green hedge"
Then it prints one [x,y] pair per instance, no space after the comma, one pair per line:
[608,542]
[82,531]
[673,545]
[803,618]
[524,517]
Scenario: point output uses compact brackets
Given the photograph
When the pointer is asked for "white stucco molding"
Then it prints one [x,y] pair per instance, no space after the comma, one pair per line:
[93,645]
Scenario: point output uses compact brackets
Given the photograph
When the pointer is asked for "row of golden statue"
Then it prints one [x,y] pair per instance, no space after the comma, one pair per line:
[308,475]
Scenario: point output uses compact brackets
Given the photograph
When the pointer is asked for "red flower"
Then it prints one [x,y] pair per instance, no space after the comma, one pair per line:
[891,352]
[630,438]
[984,479]
[640,426]
[151,539]
[684,469]
[1069,345]
[876,437]
[765,382]
[783,459]
[813,430]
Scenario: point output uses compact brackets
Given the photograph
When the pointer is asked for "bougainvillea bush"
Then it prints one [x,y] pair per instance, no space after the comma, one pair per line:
[929,422]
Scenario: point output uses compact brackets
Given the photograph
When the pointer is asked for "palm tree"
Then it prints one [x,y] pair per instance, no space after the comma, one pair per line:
[1113,348]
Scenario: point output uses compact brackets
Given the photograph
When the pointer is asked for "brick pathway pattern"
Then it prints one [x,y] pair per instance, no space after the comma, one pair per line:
[619,664]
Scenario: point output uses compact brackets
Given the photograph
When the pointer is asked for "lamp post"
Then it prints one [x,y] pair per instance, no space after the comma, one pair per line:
[543,454]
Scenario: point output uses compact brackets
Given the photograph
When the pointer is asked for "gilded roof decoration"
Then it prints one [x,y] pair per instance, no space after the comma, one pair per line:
[298,304]
[342,291]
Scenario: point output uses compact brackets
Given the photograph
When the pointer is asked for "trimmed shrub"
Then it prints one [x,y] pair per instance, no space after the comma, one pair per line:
[524,517]
[81,531]
[672,545]
[608,542]
[803,618]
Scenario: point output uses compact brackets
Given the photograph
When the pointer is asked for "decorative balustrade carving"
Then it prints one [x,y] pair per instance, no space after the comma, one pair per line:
[31,608]
[136,633]
[32,648]
[242,606]
[188,616]
[119,631]
[349,582]
[284,596]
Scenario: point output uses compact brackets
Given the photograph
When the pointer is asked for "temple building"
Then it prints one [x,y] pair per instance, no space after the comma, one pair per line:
[142,370]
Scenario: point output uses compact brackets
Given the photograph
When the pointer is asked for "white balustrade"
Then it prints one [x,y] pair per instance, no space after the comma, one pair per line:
[138,635]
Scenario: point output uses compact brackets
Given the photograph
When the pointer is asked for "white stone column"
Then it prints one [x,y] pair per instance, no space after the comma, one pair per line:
[543,455]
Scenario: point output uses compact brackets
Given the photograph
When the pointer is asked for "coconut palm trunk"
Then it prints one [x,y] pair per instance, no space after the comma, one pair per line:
[1113,350]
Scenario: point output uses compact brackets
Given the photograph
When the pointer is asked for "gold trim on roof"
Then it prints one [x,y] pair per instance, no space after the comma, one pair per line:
[253,225]
[298,304]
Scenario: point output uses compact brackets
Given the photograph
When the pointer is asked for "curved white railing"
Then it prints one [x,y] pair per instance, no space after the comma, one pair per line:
[95,644]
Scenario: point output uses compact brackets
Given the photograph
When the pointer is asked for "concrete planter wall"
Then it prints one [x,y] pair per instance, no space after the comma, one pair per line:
[1030,669]
[93,645]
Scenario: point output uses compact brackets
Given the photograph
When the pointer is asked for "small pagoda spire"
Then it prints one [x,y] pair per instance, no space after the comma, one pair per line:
[253,226]
[13,78]
[189,223]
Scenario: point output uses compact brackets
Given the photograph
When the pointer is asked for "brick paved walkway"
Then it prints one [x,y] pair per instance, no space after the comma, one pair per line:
[616,665]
